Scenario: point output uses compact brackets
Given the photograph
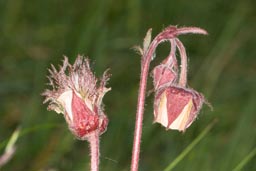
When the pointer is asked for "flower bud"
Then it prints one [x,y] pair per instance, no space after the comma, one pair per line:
[78,97]
[177,107]
[163,75]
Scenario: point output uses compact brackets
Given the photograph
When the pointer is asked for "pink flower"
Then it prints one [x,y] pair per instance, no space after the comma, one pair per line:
[177,107]
[77,94]
[164,74]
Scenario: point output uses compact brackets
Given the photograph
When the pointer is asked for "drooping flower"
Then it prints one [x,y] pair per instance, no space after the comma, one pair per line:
[77,94]
[176,106]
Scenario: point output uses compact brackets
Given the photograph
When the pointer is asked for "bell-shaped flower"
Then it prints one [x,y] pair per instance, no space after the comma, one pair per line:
[77,94]
[177,107]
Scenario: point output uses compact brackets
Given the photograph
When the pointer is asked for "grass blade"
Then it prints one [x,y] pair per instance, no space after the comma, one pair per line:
[245,160]
[190,146]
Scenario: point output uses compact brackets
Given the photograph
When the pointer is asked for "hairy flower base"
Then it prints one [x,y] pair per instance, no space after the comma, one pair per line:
[86,121]
[176,107]
[77,94]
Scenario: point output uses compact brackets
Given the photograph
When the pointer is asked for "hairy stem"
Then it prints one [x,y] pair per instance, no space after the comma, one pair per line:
[94,147]
[146,59]
[169,34]
[184,63]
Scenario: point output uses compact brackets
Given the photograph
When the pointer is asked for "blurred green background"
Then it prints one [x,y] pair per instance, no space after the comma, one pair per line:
[222,65]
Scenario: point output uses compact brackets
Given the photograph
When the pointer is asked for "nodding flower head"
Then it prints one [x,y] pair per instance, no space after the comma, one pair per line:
[176,106]
[77,94]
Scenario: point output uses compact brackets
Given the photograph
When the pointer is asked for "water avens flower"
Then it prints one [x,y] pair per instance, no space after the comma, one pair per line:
[177,107]
[77,94]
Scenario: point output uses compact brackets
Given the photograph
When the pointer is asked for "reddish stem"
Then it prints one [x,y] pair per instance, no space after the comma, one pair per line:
[140,106]
[146,59]
[169,33]
[94,147]
[184,63]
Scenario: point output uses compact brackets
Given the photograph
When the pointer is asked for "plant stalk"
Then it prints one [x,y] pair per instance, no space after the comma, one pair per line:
[184,65]
[94,148]
[146,59]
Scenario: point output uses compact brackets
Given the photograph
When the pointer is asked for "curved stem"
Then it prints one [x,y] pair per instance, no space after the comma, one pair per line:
[170,62]
[140,106]
[94,147]
[183,56]
[169,33]
[171,59]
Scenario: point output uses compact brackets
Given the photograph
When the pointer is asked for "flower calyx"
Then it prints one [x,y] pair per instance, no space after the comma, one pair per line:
[77,94]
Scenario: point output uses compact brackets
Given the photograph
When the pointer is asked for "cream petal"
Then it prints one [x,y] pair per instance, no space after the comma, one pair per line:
[162,115]
[88,103]
[76,81]
[66,100]
[180,122]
